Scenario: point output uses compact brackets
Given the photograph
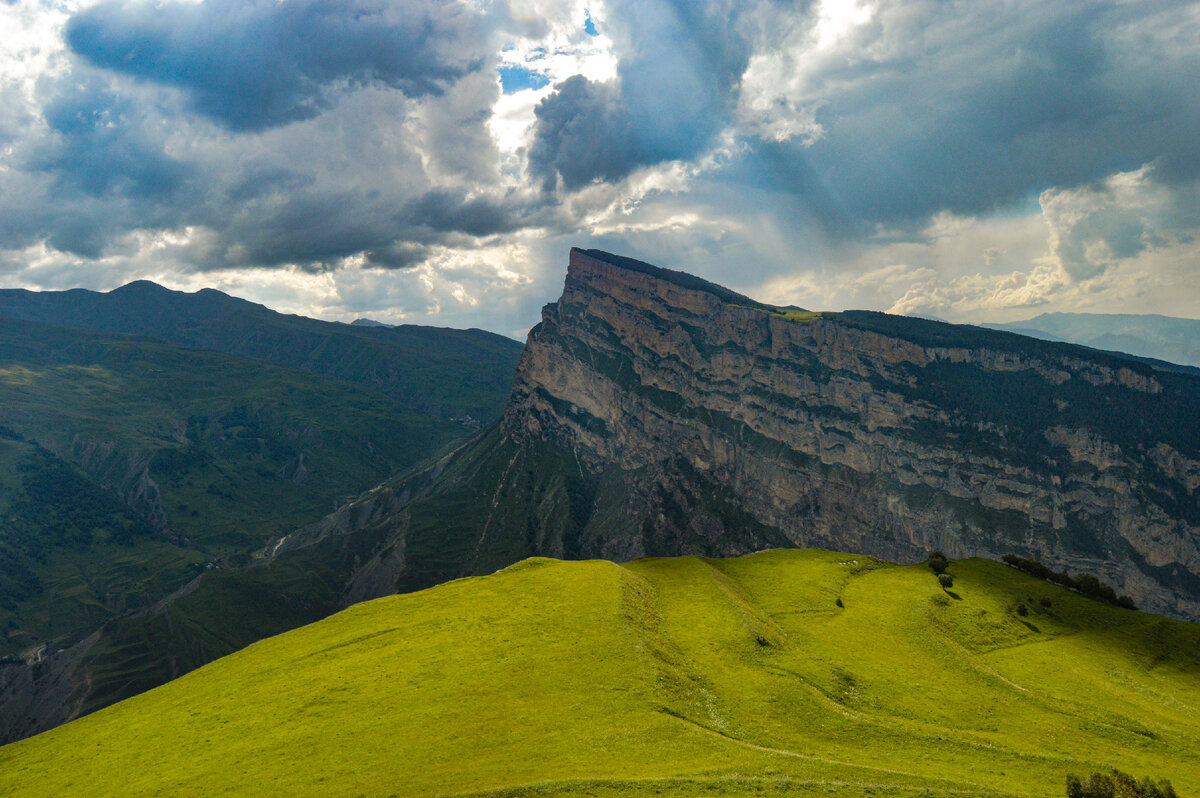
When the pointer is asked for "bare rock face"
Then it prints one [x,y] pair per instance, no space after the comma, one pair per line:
[732,425]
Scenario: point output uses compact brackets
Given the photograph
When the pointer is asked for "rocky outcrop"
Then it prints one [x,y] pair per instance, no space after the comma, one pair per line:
[855,432]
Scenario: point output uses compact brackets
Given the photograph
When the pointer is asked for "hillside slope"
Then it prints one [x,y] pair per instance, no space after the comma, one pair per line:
[129,465]
[460,374]
[682,676]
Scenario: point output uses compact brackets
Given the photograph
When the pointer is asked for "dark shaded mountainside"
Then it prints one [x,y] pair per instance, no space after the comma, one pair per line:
[654,413]
[461,374]
[130,465]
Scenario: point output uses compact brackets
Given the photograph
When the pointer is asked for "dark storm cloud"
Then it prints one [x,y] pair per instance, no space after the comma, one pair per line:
[402,255]
[97,146]
[1046,97]
[255,64]
[316,228]
[680,63]
[443,211]
[924,108]
[114,151]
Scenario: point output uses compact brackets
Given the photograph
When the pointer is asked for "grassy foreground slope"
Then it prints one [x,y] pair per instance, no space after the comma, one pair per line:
[678,676]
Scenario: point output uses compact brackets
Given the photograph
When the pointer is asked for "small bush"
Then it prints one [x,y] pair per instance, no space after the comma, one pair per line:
[937,561]
[839,603]
[946,580]
[1022,610]
[1115,784]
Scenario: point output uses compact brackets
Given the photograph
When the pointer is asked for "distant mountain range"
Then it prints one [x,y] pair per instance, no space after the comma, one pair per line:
[463,374]
[1161,337]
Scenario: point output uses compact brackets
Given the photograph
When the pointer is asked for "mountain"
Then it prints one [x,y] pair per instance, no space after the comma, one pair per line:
[782,673]
[458,374]
[128,464]
[1150,335]
[133,469]
[654,413]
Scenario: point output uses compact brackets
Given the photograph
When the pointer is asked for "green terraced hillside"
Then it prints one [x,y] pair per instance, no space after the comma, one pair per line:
[786,672]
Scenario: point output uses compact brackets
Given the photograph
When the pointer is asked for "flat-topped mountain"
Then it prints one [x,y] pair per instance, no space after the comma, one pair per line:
[654,413]
[460,374]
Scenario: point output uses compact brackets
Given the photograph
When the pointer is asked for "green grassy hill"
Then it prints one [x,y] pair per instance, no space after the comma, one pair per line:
[679,676]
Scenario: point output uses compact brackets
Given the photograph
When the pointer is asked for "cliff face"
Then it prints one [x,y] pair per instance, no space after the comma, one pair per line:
[711,424]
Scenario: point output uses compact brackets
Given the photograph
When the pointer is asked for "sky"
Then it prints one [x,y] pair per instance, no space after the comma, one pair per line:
[433,161]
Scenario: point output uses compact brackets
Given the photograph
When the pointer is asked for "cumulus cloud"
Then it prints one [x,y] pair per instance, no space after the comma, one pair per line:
[956,161]
[673,94]
[252,64]
[112,155]
[1095,226]
[966,295]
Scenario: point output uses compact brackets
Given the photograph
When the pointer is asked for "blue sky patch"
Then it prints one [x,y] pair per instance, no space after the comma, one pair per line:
[589,27]
[517,78]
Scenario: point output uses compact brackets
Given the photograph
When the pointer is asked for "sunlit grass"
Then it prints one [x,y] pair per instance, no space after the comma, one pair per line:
[678,676]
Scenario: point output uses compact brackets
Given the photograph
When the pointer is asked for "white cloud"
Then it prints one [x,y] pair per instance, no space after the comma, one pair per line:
[968,163]
[1093,227]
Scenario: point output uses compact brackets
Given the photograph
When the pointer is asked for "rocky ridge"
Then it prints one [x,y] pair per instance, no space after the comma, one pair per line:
[826,432]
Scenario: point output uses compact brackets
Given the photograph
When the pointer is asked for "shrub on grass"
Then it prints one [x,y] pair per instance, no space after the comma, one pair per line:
[938,562]
[1085,584]
[1115,784]
[946,580]
[1022,610]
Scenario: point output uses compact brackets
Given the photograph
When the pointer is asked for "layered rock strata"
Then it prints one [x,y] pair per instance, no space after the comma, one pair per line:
[862,432]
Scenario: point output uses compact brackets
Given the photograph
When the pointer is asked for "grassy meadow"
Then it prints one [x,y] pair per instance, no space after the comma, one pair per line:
[789,672]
